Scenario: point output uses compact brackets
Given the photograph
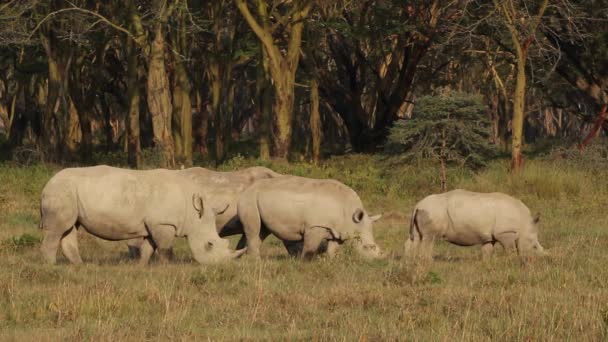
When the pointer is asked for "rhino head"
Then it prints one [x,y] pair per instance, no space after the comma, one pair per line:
[364,238]
[205,244]
[527,243]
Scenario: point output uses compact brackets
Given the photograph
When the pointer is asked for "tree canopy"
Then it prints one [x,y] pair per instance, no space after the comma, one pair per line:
[297,79]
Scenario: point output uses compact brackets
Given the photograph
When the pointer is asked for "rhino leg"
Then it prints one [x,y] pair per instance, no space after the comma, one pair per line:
[427,245]
[313,238]
[146,249]
[332,248]
[134,245]
[50,244]
[252,225]
[487,249]
[56,220]
[162,237]
[294,248]
[508,240]
[69,246]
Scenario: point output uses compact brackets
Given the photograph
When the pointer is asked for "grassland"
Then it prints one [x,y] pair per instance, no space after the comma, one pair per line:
[458,296]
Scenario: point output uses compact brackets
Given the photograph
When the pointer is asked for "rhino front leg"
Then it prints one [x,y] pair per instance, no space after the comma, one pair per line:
[50,244]
[252,225]
[69,246]
[313,238]
[508,240]
[332,248]
[163,237]
[134,246]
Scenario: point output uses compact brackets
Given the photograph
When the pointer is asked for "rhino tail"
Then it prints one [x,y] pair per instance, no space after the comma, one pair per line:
[414,228]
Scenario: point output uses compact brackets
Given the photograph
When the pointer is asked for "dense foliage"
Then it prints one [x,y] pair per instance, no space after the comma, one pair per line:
[288,79]
[451,127]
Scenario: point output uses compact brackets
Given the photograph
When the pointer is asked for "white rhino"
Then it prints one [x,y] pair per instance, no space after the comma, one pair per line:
[221,188]
[305,212]
[119,204]
[468,218]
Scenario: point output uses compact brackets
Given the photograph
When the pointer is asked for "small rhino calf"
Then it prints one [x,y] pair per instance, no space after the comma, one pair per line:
[468,218]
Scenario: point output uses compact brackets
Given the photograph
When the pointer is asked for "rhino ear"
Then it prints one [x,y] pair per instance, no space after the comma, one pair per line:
[358,215]
[221,211]
[197,203]
[375,217]
[537,218]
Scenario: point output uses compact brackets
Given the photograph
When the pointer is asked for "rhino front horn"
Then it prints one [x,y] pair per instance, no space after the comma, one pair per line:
[239,253]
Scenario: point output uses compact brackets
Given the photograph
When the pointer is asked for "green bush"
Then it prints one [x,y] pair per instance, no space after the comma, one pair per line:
[452,127]
[21,242]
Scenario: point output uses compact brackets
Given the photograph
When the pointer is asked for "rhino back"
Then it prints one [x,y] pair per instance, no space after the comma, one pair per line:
[486,212]
[298,202]
[115,203]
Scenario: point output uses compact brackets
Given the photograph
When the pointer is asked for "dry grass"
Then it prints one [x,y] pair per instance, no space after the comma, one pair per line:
[456,297]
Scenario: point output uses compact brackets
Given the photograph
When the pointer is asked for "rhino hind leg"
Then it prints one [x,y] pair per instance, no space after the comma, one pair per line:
[56,220]
[146,249]
[69,246]
[427,245]
[487,249]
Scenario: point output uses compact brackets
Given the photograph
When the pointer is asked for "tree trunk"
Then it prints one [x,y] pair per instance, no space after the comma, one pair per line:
[216,92]
[159,98]
[182,110]
[133,139]
[283,114]
[595,129]
[517,159]
[72,130]
[315,121]
[49,134]
[283,65]
[263,106]
[203,129]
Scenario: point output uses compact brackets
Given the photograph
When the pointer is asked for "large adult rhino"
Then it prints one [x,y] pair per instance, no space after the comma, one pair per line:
[468,218]
[119,204]
[306,214]
[221,188]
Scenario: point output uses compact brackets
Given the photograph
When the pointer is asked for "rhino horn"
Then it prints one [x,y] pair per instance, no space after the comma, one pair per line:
[238,253]
[375,217]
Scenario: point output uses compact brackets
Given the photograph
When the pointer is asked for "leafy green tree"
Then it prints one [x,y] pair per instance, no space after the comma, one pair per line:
[452,127]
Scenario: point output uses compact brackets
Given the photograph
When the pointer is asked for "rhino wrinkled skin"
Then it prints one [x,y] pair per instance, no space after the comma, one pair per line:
[120,204]
[468,218]
[221,188]
[306,214]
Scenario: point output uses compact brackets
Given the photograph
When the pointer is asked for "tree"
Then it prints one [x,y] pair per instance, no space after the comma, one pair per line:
[372,53]
[522,27]
[282,62]
[448,128]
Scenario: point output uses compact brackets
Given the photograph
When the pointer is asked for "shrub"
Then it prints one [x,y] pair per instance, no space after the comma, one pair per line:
[450,128]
